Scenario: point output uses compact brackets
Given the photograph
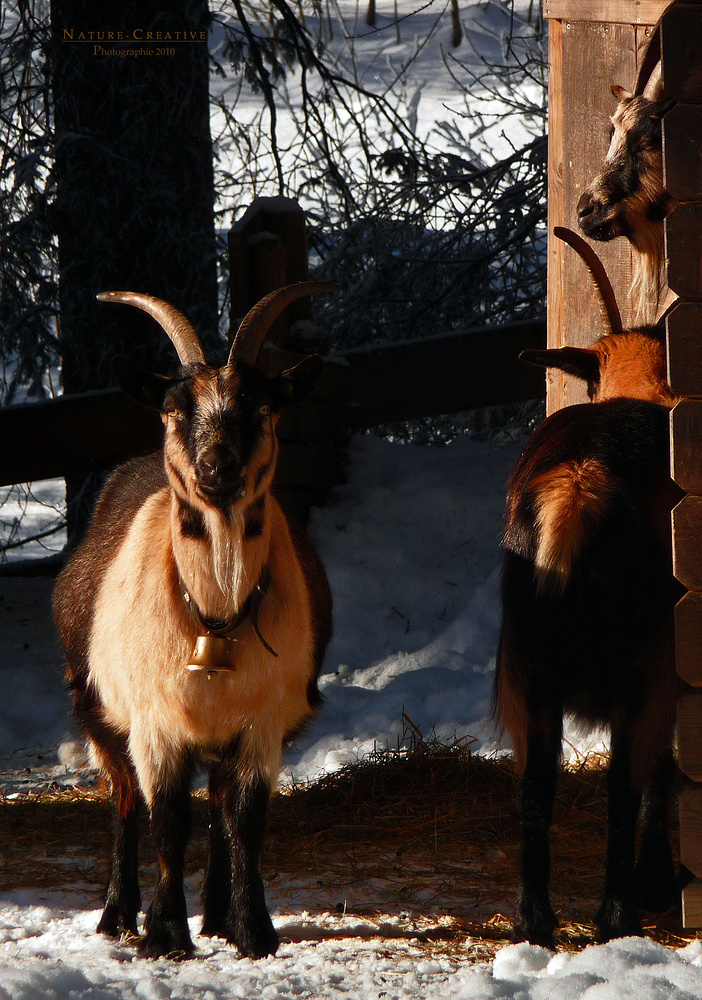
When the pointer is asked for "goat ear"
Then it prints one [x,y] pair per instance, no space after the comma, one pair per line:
[139,384]
[578,361]
[660,108]
[297,382]
[619,92]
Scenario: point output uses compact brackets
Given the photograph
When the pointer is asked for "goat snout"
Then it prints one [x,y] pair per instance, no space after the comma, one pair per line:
[586,205]
[219,472]
[597,220]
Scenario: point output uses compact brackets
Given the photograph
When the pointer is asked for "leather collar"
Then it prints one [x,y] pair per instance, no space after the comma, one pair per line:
[249,609]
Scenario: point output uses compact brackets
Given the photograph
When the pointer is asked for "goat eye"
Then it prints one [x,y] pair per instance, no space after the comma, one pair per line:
[264,410]
[177,415]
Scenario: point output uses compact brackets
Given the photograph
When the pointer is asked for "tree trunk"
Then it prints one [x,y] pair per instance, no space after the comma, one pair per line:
[456,29]
[134,202]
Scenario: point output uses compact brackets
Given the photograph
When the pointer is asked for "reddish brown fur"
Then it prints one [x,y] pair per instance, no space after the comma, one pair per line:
[569,500]
[633,366]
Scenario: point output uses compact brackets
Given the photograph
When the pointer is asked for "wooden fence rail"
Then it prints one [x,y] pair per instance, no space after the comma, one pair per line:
[418,378]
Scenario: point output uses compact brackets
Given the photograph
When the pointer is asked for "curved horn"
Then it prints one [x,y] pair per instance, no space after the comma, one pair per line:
[610,309]
[258,320]
[174,323]
[653,91]
[650,64]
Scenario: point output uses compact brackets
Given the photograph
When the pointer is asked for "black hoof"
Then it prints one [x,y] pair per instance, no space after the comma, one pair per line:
[254,937]
[535,922]
[615,919]
[117,920]
[214,928]
[165,938]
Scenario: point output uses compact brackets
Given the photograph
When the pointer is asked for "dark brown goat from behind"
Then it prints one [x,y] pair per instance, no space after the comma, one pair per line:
[587,629]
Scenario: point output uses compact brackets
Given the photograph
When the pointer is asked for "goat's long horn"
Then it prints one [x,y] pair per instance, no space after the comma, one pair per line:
[258,320]
[650,65]
[174,323]
[653,91]
[610,309]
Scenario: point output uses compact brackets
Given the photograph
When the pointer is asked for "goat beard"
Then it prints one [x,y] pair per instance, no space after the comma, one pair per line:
[649,279]
[226,540]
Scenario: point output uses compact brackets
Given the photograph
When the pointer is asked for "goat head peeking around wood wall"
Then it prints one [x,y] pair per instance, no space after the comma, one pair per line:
[194,619]
[627,197]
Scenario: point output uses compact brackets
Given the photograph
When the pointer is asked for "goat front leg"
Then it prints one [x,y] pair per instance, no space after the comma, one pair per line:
[234,897]
[535,920]
[617,916]
[166,929]
[217,894]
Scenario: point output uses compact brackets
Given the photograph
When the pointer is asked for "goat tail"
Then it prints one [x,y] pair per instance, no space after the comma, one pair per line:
[569,502]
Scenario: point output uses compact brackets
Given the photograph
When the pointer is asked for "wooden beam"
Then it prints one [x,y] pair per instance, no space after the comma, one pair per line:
[681,45]
[687,542]
[690,737]
[688,638]
[684,343]
[682,154]
[683,231]
[607,11]
[420,378]
[681,58]
[416,378]
[685,464]
[690,804]
[74,434]
[692,904]
[555,380]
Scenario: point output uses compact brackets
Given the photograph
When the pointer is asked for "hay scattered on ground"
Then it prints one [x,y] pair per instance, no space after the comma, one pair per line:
[433,832]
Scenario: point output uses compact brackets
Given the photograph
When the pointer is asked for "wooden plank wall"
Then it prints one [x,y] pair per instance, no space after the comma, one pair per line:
[586,56]
[681,48]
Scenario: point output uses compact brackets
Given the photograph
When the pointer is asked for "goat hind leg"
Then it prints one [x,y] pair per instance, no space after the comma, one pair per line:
[535,920]
[217,893]
[617,916]
[655,871]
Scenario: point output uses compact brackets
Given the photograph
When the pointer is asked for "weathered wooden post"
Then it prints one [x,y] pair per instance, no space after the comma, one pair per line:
[681,50]
[268,249]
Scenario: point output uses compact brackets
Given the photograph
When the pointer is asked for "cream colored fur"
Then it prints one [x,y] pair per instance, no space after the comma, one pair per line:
[143,635]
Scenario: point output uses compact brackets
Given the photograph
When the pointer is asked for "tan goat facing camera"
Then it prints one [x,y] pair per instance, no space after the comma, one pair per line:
[194,617]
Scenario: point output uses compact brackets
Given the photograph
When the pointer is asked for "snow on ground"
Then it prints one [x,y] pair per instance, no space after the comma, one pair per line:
[407,56]
[52,953]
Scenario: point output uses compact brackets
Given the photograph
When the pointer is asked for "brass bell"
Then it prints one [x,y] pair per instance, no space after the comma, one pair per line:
[211,654]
